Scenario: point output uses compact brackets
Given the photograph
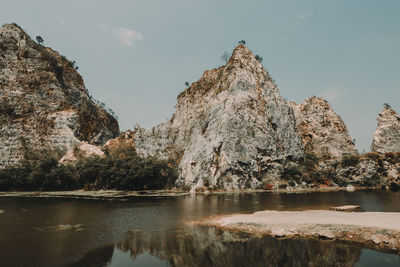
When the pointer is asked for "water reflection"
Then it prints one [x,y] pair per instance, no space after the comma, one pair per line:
[203,246]
[97,257]
[33,232]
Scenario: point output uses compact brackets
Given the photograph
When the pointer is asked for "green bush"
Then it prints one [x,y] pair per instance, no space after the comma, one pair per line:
[124,170]
[292,173]
[350,160]
[310,161]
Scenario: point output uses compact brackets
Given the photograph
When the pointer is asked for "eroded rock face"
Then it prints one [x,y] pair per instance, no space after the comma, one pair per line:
[387,134]
[43,101]
[230,129]
[371,169]
[322,131]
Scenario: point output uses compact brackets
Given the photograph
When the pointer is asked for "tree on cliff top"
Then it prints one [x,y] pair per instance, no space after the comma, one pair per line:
[40,40]
[386,105]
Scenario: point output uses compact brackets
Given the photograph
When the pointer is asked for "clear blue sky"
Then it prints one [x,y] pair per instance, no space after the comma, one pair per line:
[136,55]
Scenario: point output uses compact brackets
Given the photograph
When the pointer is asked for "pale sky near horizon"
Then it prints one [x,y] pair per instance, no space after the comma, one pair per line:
[136,55]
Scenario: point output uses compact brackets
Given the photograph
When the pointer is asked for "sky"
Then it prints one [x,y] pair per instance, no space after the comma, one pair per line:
[135,55]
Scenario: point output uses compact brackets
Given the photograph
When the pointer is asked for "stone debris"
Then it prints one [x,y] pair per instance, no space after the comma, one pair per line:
[346,208]
[81,150]
[350,188]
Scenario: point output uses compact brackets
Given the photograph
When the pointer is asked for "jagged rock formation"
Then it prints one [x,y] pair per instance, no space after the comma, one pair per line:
[371,169]
[43,101]
[231,128]
[322,131]
[387,134]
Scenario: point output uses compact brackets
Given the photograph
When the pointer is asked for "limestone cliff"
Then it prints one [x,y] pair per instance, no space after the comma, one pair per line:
[322,131]
[387,134]
[43,101]
[231,128]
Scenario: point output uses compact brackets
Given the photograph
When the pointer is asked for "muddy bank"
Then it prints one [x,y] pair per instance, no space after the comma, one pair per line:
[121,194]
[378,230]
[101,194]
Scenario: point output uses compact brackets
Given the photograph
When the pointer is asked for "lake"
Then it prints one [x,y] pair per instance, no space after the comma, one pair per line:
[151,231]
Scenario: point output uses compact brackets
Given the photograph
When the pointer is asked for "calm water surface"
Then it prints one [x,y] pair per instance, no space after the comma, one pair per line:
[150,231]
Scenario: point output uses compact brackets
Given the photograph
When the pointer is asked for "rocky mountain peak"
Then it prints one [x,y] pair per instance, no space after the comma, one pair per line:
[242,65]
[43,101]
[321,129]
[387,135]
[231,128]
[243,58]
[14,32]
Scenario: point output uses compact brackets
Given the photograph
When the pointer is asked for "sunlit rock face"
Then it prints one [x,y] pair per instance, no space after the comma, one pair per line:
[43,101]
[387,134]
[198,246]
[321,129]
[231,128]
[81,150]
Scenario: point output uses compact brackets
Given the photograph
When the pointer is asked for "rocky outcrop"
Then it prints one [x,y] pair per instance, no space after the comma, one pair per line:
[322,131]
[387,134]
[124,140]
[81,150]
[43,101]
[231,128]
[368,170]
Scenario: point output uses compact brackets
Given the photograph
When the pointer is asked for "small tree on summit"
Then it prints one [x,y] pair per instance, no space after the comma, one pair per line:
[386,105]
[39,39]
[187,84]
[73,64]
[243,42]
[259,58]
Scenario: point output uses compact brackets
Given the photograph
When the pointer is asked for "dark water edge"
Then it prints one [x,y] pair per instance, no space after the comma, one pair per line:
[150,231]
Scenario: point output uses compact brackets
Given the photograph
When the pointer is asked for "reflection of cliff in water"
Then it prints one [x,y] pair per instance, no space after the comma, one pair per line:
[97,257]
[202,246]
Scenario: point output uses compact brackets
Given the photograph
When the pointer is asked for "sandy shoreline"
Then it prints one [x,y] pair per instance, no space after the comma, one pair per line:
[379,230]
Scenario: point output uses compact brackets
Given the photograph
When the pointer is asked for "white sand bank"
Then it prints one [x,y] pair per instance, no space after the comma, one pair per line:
[379,230]
[386,220]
